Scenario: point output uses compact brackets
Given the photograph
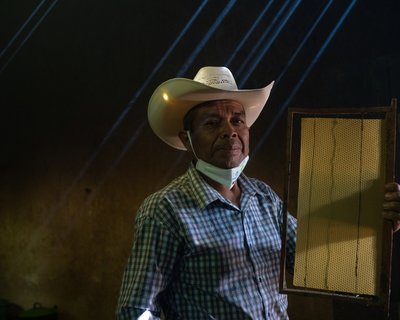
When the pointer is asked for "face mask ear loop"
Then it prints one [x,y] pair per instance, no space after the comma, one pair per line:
[191,144]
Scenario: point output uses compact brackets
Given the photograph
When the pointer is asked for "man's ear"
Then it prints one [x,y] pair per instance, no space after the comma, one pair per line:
[185,140]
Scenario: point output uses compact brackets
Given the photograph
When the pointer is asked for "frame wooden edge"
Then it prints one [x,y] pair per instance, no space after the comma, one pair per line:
[383,299]
[282,279]
[387,232]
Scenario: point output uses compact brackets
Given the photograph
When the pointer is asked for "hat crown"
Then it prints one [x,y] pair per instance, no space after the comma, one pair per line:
[216,77]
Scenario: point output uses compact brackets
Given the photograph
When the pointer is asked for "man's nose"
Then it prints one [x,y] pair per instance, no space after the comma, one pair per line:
[228,130]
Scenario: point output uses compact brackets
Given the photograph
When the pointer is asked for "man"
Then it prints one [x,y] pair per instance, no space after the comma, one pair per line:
[207,246]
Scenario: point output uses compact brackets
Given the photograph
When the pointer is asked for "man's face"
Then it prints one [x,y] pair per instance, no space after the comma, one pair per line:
[220,135]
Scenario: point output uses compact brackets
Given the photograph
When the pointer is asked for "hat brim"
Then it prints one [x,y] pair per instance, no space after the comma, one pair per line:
[174,98]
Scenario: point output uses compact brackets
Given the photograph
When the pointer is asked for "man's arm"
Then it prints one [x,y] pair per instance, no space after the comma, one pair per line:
[148,272]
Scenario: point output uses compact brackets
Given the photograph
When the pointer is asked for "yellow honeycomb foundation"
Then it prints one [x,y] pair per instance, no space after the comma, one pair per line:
[339,205]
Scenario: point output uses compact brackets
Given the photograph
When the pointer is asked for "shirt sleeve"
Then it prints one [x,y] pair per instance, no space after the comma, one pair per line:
[291,242]
[149,270]
[290,232]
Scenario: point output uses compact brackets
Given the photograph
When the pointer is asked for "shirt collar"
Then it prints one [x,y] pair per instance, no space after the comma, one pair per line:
[204,194]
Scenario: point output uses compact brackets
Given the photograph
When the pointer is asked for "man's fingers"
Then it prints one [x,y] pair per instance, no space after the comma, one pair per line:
[392,196]
[391,215]
[392,187]
[391,205]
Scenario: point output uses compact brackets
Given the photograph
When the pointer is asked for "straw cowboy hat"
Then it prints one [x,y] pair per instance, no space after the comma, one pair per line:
[175,97]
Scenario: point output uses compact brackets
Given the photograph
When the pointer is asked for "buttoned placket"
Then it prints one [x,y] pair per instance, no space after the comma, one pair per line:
[249,244]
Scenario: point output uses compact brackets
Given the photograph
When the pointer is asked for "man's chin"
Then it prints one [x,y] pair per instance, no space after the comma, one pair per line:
[230,164]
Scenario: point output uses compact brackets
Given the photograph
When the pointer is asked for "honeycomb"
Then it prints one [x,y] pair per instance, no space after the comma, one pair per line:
[340,194]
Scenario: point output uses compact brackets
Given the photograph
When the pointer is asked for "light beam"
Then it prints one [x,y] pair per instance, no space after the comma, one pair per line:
[268,45]
[26,38]
[248,34]
[304,76]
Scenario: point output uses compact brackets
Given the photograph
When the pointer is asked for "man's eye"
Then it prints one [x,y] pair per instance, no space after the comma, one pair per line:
[211,123]
[238,121]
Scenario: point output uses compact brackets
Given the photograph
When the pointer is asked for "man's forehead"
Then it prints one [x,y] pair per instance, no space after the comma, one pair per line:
[215,107]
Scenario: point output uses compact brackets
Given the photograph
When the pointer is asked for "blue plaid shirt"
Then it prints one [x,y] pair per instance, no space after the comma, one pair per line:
[197,256]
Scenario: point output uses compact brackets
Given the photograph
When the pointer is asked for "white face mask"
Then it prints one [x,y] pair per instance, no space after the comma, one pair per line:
[227,177]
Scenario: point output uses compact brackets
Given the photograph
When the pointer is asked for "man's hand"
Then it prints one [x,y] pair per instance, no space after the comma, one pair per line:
[391,204]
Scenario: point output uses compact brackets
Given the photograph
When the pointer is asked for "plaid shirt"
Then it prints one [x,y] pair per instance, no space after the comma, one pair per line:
[197,256]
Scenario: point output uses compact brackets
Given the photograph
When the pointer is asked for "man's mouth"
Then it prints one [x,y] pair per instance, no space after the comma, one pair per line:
[231,148]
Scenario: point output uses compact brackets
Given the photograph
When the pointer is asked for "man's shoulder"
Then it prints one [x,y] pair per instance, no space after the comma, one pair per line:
[174,192]
[161,208]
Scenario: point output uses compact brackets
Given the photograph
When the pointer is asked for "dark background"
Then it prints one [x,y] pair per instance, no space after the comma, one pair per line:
[77,154]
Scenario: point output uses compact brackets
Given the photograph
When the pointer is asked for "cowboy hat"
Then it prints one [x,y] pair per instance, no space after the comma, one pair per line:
[175,97]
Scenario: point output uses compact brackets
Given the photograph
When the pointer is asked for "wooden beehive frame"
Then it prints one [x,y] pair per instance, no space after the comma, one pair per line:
[343,252]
